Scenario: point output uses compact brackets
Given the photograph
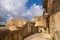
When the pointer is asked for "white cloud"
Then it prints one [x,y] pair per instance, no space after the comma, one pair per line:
[13,4]
[34,11]
[16,8]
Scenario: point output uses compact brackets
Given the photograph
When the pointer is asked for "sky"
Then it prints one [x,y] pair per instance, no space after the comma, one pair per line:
[25,9]
[31,2]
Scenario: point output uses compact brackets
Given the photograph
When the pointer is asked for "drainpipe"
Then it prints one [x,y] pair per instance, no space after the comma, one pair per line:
[55,34]
[53,17]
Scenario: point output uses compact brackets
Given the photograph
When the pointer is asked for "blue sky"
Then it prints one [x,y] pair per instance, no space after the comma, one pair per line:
[31,2]
[25,9]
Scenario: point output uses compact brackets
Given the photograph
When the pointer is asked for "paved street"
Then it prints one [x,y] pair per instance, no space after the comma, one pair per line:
[37,36]
[58,35]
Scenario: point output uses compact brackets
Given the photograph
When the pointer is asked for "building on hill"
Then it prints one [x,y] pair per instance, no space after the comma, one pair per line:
[14,23]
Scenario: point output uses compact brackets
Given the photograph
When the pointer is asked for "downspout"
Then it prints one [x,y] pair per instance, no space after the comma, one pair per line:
[53,17]
[55,34]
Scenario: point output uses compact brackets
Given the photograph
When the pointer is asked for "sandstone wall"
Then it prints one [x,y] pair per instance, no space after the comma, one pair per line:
[57,17]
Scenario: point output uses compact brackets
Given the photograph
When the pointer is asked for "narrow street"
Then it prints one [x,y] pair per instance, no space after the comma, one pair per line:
[38,36]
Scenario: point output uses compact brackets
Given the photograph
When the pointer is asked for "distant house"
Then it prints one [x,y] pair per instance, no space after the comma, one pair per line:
[2,24]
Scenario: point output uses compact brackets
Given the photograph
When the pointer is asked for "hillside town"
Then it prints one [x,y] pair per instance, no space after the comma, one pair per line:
[45,27]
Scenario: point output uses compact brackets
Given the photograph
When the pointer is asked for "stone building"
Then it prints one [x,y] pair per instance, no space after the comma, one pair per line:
[52,9]
[40,23]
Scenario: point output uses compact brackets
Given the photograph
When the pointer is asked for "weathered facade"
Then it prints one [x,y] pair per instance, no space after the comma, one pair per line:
[52,7]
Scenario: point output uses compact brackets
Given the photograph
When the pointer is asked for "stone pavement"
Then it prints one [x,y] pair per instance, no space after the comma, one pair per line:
[38,36]
[58,35]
